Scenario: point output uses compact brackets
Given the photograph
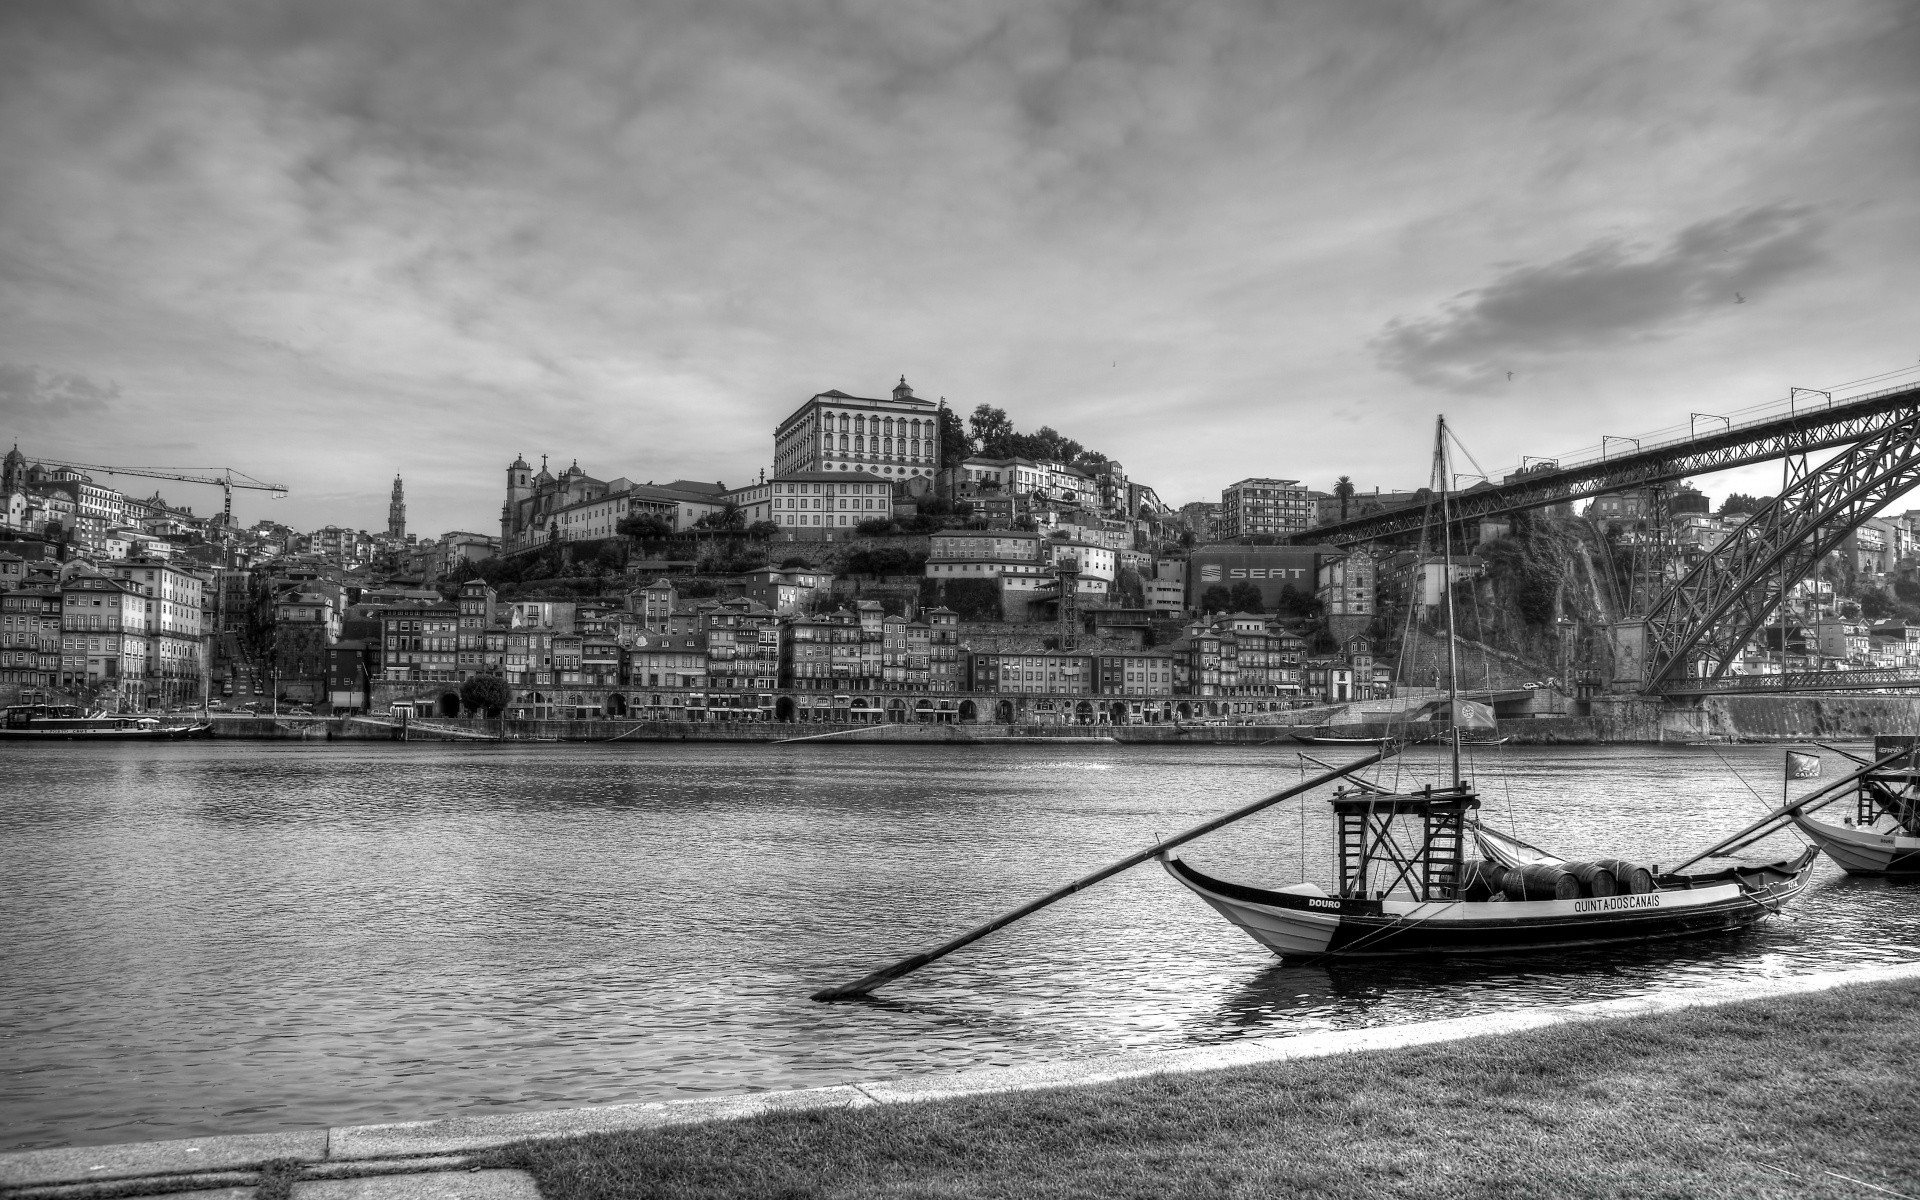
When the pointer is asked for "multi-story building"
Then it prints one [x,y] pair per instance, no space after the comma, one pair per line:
[422,642]
[1346,585]
[104,623]
[743,649]
[1040,672]
[981,472]
[895,439]
[1844,641]
[670,661]
[475,602]
[835,652]
[1253,507]
[30,638]
[1134,673]
[782,589]
[943,650]
[905,655]
[178,632]
[984,554]
[808,504]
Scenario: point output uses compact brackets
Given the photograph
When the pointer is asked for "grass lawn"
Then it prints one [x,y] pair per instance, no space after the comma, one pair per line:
[1720,1101]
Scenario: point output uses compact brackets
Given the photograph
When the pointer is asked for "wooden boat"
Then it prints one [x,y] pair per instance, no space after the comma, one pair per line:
[1429,904]
[1406,887]
[1317,739]
[67,722]
[1883,835]
[1864,851]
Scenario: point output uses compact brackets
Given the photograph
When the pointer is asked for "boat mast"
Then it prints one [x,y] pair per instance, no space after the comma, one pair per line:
[1446,590]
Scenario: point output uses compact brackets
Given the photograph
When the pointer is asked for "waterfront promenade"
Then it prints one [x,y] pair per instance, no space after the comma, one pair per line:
[1757,1088]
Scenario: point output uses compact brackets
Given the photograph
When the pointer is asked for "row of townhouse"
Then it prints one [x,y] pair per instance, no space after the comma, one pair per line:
[119,635]
[734,659]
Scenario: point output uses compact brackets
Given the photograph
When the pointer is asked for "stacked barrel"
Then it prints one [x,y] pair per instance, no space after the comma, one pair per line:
[1487,880]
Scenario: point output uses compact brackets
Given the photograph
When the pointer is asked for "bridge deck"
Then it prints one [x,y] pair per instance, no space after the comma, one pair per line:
[1801,430]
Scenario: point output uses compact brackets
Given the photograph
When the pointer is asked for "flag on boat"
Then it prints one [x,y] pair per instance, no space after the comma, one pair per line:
[1802,766]
[1474,714]
[1467,714]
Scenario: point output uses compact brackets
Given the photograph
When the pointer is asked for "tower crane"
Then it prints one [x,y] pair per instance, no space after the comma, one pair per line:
[225,478]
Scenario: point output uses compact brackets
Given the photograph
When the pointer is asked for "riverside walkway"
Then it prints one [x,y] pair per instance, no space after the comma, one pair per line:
[449,1159]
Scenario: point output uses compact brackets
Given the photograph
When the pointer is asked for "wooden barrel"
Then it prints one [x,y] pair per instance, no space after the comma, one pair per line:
[1629,878]
[1481,881]
[1595,879]
[1538,881]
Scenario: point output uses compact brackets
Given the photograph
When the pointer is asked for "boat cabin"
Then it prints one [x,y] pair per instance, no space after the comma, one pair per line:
[1411,846]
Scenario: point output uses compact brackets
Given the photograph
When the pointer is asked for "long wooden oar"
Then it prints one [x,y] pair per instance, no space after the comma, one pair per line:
[1778,817]
[866,984]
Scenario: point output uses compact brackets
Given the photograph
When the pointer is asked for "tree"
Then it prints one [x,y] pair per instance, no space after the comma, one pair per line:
[763,530]
[1245,597]
[487,694]
[955,445]
[644,527]
[1740,502]
[728,518]
[1218,598]
[1297,603]
[991,428]
[1343,489]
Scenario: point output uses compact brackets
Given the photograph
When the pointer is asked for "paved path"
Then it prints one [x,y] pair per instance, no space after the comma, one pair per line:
[430,1160]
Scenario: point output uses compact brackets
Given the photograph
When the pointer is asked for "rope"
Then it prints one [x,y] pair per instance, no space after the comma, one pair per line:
[1765,804]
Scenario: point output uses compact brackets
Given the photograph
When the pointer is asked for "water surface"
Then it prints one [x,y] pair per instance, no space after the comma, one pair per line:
[239,936]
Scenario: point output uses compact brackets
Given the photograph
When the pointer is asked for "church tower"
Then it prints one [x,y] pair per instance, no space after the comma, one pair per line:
[397,513]
[13,471]
[519,487]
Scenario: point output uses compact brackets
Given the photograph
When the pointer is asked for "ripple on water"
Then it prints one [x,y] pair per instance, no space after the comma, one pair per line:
[223,937]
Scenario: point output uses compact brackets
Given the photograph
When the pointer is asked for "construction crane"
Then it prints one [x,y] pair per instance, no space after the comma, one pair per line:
[225,478]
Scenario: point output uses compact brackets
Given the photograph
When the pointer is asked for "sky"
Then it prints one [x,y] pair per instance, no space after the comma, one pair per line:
[328,243]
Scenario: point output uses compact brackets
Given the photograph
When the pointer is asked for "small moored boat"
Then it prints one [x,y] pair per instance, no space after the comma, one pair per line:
[69,722]
[1883,835]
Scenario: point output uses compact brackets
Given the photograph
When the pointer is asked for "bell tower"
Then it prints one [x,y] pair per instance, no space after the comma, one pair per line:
[397,513]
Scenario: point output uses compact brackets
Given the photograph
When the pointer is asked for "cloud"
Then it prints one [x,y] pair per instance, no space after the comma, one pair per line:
[35,400]
[1611,292]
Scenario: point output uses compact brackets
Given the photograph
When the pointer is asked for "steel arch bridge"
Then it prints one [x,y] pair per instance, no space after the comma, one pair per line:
[1691,637]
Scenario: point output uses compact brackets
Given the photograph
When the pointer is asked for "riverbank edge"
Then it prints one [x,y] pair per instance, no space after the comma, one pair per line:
[152,1168]
[1613,720]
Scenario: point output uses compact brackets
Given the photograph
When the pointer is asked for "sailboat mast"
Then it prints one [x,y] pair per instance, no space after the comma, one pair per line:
[1446,590]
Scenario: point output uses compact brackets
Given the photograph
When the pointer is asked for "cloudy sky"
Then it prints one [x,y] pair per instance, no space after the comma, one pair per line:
[325,242]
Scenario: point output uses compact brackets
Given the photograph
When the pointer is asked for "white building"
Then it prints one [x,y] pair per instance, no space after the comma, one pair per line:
[822,503]
[894,439]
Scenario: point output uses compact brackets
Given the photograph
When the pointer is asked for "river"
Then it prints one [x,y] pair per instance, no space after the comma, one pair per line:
[224,937]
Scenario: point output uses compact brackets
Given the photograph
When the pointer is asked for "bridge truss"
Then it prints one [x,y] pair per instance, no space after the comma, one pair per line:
[1765,439]
[1873,679]
[1697,630]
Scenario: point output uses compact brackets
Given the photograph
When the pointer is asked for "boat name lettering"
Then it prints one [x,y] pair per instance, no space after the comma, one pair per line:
[1609,903]
[1323,904]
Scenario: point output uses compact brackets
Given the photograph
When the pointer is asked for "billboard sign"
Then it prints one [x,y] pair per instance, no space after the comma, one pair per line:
[1269,568]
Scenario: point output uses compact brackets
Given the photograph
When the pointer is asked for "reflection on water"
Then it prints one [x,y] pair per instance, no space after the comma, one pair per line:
[223,937]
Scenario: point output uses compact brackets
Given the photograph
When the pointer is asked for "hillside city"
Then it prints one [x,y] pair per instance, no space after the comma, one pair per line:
[896,562]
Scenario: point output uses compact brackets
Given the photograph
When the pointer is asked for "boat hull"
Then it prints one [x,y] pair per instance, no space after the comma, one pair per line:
[1862,851]
[163,734]
[1296,925]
